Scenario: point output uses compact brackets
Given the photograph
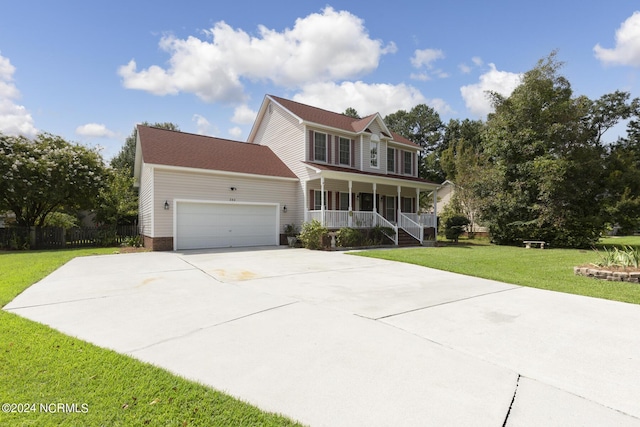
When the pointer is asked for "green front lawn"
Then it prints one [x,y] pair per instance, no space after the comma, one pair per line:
[550,269]
[43,368]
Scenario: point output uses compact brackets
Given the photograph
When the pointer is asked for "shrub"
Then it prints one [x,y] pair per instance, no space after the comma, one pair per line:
[454,226]
[349,237]
[627,257]
[312,234]
[379,235]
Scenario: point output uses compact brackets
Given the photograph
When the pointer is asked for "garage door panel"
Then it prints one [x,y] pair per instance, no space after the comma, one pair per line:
[217,225]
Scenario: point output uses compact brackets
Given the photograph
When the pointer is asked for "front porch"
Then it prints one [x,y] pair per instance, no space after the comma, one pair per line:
[419,226]
[366,201]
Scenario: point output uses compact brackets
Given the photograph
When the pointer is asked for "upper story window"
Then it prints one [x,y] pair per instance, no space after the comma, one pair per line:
[320,146]
[408,163]
[374,145]
[391,160]
[345,151]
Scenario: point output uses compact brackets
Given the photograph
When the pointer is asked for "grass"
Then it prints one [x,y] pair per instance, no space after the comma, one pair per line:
[41,366]
[550,269]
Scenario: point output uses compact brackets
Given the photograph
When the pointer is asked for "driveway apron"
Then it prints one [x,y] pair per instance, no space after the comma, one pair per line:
[332,339]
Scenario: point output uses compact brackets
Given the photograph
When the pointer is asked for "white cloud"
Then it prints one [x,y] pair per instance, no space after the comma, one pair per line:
[235,132]
[475,96]
[464,68]
[203,127]
[426,57]
[627,49]
[95,130]
[243,115]
[325,46]
[477,61]
[14,119]
[366,98]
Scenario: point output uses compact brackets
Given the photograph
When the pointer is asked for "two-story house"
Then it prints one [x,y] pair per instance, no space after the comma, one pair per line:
[299,163]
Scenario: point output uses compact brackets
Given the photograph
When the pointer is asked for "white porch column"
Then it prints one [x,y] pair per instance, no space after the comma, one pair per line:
[375,207]
[350,216]
[399,205]
[435,214]
[305,201]
[322,199]
[417,201]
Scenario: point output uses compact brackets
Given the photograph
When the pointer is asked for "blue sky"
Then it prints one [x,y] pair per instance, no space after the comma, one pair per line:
[89,71]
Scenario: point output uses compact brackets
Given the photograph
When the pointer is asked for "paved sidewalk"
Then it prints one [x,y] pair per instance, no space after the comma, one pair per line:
[332,339]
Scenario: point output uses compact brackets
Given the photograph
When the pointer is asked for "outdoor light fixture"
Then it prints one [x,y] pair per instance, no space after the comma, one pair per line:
[166,205]
[232,188]
[284,208]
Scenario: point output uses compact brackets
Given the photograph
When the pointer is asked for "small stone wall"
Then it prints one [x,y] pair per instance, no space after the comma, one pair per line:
[610,275]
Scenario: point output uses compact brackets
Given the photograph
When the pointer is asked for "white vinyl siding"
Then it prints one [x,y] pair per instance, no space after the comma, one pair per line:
[171,184]
[145,201]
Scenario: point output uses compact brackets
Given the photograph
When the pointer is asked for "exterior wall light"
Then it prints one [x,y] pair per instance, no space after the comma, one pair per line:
[284,209]
[166,205]
[232,188]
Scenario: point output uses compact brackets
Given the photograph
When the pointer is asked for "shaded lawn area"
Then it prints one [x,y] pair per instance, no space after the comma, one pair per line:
[550,269]
[39,365]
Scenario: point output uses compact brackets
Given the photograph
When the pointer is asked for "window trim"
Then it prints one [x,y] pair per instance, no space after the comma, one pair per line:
[391,158]
[347,143]
[375,165]
[405,164]
[315,145]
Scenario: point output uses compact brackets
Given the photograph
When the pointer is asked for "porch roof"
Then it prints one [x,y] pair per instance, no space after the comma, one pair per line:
[348,174]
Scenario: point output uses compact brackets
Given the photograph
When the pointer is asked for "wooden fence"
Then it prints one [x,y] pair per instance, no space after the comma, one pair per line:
[59,238]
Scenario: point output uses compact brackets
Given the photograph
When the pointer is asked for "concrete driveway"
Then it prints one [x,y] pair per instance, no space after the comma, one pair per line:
[332,339]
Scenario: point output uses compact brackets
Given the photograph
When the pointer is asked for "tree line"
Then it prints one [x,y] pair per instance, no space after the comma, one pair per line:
[538,167]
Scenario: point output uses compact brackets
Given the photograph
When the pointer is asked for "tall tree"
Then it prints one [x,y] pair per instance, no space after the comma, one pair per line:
[423,126]
[351,112]
[126,157]
[544,177]
[47,174]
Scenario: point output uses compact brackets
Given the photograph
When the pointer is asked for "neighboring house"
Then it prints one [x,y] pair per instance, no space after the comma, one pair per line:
[299,163]
[445,193]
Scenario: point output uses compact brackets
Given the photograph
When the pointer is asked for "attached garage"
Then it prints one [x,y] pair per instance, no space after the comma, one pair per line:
[203,225]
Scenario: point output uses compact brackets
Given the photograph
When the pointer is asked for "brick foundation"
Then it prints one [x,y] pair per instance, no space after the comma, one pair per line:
[158,243]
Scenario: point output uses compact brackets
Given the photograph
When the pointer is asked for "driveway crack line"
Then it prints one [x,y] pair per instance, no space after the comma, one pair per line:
[513,399]
[516,287]
[194,331]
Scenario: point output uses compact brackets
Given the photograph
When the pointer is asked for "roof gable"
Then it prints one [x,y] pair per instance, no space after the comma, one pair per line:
[318,116]
[172,148]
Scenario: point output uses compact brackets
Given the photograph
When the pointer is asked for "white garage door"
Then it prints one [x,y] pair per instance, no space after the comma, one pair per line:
[225,225]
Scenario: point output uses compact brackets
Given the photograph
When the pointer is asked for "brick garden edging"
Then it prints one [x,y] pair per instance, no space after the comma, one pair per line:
[604,274]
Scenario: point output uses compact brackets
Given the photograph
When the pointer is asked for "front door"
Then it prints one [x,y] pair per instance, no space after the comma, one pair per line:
[390,208]
[366,201]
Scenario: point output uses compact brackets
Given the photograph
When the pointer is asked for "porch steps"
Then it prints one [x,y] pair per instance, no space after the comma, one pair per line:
[406,239]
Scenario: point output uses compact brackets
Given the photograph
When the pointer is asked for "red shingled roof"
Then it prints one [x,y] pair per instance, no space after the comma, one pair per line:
[171,148]
[334,120]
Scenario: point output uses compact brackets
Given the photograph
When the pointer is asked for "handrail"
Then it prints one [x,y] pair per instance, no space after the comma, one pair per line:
[411,227]
[383,222]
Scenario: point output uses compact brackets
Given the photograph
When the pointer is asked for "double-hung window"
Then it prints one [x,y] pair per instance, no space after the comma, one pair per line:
[391,160]
[320,146]
[344,201]
[408,163]
[317,200]
[345,151]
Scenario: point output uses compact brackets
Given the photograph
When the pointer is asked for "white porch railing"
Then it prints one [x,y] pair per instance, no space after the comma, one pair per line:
[357,219]
[425,219]
[415,229]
